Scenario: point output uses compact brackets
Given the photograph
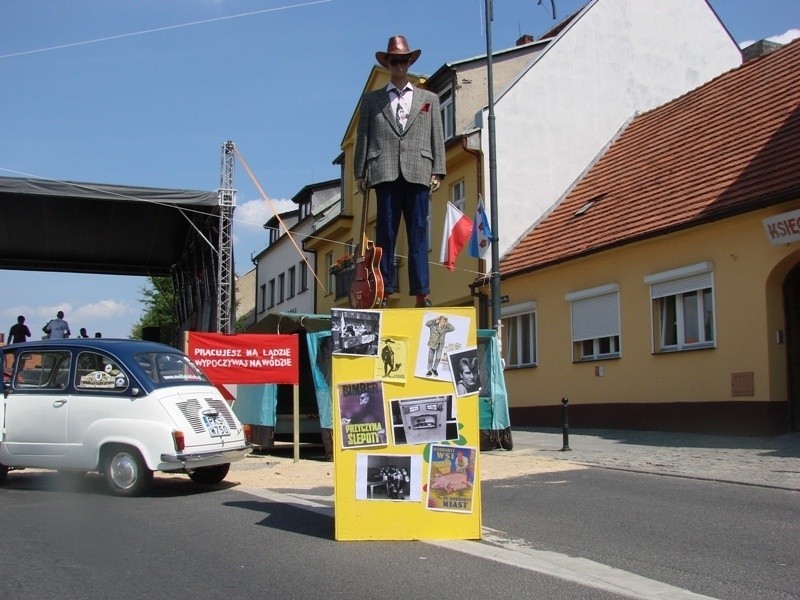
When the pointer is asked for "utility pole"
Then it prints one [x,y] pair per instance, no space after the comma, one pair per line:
[225,274]
[494,224]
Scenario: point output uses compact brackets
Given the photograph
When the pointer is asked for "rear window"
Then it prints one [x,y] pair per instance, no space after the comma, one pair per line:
[167,368]
[42,370]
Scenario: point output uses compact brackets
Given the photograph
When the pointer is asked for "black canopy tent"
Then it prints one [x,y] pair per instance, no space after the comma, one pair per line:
[81,227]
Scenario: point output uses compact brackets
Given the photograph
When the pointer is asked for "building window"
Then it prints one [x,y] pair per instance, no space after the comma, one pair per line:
[263,296]
[271,293]
[458,195]
[448,113]
[595,323]
[305,209]
[683,308]
[281,287]
[519,335]
[303,276]
[292,282]
[329,271]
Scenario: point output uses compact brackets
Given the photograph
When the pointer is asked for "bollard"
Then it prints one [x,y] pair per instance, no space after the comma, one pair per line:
[565,425]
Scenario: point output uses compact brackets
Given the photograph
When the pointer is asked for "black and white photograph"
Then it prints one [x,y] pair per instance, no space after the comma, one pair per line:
[424,420]
[440,335]
[465,369]
[355,332]
[388,477]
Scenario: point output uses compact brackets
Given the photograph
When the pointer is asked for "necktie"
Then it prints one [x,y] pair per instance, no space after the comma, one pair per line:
[399,113]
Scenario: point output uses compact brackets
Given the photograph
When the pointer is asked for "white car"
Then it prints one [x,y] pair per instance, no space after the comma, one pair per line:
[124,408]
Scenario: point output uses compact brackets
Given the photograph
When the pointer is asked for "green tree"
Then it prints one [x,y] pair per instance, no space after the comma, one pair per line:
[158,296]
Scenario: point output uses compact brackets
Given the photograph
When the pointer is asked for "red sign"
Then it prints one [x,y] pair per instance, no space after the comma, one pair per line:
[246,358]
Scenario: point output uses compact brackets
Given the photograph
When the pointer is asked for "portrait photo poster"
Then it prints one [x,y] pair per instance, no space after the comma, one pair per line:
[363,414]
[465,370]
[395,477]
[440,334]
[451,479]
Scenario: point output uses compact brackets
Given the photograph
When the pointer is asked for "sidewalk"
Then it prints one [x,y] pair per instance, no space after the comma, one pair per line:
[761,461]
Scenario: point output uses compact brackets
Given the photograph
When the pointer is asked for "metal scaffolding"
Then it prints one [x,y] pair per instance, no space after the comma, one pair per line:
[226,304]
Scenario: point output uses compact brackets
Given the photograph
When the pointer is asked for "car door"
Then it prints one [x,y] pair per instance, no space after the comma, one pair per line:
[37,405]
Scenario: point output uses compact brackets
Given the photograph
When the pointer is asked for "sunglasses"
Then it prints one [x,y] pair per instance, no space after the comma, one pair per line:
[398,61]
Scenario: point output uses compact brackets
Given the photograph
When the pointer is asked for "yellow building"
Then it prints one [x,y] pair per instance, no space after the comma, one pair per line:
[461,87]
[663,290]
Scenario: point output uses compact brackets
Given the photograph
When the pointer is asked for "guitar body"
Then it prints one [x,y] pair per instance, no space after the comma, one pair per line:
[366,289]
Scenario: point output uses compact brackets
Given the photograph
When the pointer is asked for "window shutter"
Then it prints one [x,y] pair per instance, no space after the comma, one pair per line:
[595,317]
[680,286]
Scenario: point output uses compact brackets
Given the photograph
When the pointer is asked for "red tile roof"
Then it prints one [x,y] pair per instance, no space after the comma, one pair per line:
[727,147]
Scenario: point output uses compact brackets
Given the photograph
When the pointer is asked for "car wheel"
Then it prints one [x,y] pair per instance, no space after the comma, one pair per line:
[125,471]
[213,474]
[3,474]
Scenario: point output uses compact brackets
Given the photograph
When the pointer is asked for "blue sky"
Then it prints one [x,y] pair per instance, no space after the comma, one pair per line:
[145,93]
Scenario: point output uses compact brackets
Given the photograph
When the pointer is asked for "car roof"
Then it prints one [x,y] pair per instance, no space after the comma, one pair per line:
[115,346]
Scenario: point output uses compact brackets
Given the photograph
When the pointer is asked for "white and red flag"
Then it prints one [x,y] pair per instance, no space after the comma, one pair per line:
[457,229]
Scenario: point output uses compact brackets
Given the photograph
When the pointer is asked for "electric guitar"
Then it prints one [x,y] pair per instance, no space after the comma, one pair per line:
[366,289]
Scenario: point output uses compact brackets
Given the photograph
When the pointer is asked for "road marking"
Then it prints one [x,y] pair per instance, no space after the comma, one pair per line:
[500,547]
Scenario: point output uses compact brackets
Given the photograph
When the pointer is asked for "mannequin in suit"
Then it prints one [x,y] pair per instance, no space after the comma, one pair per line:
[400,152]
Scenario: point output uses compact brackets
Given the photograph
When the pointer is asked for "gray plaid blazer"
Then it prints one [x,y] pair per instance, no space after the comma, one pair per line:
[383,153]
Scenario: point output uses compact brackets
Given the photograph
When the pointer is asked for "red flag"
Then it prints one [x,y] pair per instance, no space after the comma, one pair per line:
[457,230]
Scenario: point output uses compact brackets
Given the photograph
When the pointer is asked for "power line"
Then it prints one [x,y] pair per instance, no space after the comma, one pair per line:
[158,29]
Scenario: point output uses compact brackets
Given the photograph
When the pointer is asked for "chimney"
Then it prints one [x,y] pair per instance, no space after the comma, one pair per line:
[525,39]
[759,48]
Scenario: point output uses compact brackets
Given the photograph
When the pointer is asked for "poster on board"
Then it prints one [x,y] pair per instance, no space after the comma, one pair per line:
[363,414]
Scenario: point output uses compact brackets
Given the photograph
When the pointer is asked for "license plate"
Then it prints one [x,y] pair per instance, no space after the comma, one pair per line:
[217,427]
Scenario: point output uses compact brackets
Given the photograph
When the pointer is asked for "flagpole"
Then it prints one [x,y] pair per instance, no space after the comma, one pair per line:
[495,274]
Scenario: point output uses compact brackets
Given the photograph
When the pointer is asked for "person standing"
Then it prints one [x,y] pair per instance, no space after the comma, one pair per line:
[439,328]
[57,328]
[400,152]
[82,333]
[19,332]
[387,356]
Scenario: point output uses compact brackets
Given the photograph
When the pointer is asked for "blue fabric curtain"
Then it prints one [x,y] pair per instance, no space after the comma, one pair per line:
[493,396]
[319,353]
[256,404]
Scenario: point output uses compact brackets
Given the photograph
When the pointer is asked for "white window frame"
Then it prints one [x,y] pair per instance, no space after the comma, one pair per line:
[595,323]
[447,112]
[682,301]
[519,334]
[458,195]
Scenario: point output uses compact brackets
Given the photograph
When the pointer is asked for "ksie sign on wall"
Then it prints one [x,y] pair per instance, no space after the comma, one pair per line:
[246,358]
[783,228]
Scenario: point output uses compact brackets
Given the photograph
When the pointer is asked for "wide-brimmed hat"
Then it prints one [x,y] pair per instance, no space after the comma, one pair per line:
[397,46]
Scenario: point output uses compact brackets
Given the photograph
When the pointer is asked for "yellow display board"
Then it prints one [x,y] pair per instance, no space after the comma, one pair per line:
[406,447]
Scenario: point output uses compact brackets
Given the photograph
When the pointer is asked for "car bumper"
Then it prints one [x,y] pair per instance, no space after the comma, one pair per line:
[194,460]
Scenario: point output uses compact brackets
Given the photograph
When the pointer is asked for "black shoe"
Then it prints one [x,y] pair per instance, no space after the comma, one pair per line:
[428,374]
[435,374]
[383,303]
[424,303]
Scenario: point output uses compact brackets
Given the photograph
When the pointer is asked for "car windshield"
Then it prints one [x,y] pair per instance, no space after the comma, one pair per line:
[170,368]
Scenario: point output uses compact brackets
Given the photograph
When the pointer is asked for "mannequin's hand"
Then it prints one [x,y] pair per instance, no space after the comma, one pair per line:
[361,185]
[435,182]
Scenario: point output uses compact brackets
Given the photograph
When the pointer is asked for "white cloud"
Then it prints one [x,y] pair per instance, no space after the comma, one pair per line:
[783,38]
[254,213]
[102,310]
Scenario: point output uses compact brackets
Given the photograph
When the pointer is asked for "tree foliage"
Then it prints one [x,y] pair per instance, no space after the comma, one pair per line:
[158,296]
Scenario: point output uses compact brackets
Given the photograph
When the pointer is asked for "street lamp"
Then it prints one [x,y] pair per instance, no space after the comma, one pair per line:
[495,275]
[494,222]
